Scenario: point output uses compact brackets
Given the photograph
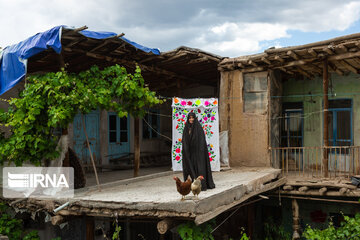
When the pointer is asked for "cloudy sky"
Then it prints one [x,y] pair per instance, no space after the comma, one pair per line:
[227,28]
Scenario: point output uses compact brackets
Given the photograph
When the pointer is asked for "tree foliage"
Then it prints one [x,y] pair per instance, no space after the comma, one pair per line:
[52,100]
[191,231]
[349,229]
[13,227]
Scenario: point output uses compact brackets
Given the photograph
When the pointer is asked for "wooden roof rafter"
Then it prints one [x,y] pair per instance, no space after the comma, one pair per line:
[81,52]
[343,53]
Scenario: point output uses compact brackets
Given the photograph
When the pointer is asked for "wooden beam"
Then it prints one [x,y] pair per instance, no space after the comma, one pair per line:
[303,188]
[107,41]
[319,184]
[316,68]
[278,58]
[71,44]
[333,68]
[312,52]
[166,224]
[198,60]
[136,147]
[80,28]
[251,62]
[319,199]
[297,63]
[325,159]
[322,190]
[348,66]
[315,44]
[57,220]
[178,55]
[286,71]
[256,69]
[328,50]
[301,71]
[344,56]
[265,60]
[151,58]
[342,47]
[343,190]
[143,67]
[293,55]
[200,54]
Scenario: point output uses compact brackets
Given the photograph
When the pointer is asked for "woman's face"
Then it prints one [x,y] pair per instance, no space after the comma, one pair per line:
[191,119]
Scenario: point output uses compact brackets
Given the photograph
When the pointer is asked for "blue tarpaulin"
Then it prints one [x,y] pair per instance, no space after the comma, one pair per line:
[13,59]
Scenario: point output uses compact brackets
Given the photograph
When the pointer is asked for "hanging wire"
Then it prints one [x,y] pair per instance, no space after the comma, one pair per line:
[157,131]
[289,96]
[302,116]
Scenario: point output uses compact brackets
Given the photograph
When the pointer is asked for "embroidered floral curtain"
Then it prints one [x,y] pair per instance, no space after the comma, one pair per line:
[206,110]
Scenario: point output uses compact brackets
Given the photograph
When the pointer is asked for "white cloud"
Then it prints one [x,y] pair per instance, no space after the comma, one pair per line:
[319,18]
[234,39]
[228,28]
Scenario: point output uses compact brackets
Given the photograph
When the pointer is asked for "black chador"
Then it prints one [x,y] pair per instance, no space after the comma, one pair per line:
[195,156]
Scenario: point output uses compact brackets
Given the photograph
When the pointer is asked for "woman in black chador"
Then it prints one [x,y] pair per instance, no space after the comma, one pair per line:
[195,156]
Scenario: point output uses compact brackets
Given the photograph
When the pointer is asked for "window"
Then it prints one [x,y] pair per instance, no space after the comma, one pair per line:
[255,93]
[340,122]
[118,129]
[292,125]
[152,119]
[112,128]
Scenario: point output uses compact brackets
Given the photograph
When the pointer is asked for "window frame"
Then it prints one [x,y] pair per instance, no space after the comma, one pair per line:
[287,119]
[334,111]
[118,129]
[148,118]
[255,92]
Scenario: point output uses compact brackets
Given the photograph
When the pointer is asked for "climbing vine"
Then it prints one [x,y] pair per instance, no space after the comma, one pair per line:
[13,227]
[52,100]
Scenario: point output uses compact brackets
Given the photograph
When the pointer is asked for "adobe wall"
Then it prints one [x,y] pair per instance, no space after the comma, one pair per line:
[248,132]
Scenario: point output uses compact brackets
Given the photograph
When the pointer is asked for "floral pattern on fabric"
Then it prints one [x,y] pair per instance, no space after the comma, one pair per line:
[206,110]
[177,153]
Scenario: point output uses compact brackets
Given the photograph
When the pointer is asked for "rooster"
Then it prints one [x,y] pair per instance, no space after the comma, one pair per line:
[183,188]
[196,186]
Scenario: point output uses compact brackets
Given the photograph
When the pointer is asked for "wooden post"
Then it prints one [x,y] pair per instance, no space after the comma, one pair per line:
[127,229]
[326,119]
[250,220]
[296,220]
[90,228]
[136,148]
[66,162]
[91,156]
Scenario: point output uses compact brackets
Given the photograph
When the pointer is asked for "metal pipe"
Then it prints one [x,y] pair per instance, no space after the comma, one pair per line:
[61,207]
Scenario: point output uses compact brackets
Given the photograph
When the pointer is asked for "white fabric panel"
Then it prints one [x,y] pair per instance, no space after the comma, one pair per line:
[206,110]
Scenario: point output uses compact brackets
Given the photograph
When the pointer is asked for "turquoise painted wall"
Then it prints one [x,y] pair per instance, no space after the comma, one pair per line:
[347,86]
